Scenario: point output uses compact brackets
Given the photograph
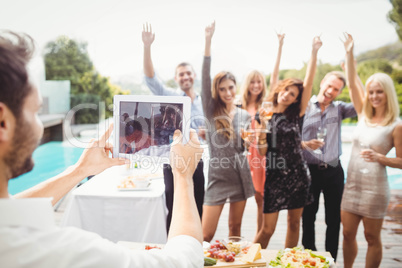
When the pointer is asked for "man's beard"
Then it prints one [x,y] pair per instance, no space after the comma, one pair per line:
[19,160]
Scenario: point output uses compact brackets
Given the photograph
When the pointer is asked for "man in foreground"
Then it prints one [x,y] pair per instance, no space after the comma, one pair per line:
[28,234]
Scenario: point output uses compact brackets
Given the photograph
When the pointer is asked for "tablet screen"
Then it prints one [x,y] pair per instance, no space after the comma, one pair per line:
[147,124]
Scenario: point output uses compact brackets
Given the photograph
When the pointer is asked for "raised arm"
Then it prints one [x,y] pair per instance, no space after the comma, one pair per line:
[206,94]
[93,160]
[310,73]
[148,38]
[184,159]
[359,81]
[353,83]
[275,73]
[209,32]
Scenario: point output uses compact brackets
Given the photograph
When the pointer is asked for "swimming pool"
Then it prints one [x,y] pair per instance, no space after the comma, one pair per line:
[50,159]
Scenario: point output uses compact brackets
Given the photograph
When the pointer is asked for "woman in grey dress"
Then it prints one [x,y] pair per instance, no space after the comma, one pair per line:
[229,178]
[366,194]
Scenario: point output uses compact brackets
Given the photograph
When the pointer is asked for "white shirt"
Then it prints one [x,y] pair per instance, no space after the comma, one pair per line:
[30,238]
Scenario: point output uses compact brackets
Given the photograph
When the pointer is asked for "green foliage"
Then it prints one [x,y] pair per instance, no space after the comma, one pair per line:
[392,52]
[366,68]
[171,83]
[67,59]
[395,16]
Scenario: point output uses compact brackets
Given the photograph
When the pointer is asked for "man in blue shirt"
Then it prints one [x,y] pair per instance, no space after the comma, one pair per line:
[184,77]
[326,171]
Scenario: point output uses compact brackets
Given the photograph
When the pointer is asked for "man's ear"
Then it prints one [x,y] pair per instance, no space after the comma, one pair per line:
[7,122]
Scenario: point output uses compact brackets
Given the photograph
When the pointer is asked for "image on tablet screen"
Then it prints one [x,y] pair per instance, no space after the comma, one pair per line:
[145,126]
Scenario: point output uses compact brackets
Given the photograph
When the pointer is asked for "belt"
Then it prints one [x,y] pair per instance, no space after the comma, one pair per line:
[325,165]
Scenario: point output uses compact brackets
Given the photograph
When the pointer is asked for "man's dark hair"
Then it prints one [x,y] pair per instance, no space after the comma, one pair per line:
[15,52]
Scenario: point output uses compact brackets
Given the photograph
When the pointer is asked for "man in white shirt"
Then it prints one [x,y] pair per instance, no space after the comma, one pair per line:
[28,234]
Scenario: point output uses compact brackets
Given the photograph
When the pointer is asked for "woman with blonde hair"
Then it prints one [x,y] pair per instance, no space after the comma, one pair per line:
[287,184]
[253,91]
[366,194]
[229,178]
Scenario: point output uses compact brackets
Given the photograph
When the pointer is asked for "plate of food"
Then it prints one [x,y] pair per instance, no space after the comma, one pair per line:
[134,184]
[299,257]
[223,254]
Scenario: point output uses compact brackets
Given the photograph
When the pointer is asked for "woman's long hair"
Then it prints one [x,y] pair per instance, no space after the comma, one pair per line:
[223,122]
[392,107]
[292,110]
[246,93]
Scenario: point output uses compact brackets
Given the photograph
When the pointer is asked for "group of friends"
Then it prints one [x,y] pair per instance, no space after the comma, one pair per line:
[293,168]
[288,167]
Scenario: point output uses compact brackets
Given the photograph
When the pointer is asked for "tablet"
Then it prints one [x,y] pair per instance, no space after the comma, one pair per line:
[144,124]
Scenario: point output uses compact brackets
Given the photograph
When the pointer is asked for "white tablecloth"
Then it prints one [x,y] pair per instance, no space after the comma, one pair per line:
[137,216]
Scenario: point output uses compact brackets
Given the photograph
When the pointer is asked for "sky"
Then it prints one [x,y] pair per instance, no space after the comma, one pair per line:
[245,36]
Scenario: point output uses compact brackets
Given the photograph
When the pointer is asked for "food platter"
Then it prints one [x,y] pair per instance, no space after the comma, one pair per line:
[298,257]
[233,254]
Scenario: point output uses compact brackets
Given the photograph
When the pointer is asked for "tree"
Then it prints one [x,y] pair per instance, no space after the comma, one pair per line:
[395,16]
[67,59]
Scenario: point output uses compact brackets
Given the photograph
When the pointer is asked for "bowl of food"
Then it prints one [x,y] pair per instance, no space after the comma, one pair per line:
[141,182]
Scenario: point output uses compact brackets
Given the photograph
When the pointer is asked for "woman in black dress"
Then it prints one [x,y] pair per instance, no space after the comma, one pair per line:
[287,178]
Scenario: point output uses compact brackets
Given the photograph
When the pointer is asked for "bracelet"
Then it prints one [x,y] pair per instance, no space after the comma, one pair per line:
[262,141]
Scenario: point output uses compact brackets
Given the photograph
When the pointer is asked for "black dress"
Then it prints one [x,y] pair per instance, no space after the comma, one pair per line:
[287,184]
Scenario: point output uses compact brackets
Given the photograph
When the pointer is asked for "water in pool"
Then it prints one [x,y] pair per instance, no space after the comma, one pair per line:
[50,159]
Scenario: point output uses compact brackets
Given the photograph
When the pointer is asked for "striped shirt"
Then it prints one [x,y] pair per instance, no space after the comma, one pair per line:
[331,118]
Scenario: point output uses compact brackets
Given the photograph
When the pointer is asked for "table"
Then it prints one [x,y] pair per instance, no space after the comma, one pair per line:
[138,216]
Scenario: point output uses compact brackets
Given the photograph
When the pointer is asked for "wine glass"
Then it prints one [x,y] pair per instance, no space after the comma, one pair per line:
[268,109]
[321,133]
[248,132]
[364,146]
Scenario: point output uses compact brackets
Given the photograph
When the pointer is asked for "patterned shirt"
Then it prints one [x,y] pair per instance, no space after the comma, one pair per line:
[331,118]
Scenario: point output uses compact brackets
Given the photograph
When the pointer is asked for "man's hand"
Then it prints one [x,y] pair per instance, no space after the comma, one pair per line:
[184,158]
[147,36]
[312,144]
[95,157]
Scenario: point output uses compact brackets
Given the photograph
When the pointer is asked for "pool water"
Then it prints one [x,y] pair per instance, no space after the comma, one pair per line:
[50,159]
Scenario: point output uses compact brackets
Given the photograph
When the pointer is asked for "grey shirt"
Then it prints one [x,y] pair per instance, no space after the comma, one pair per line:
[331,118]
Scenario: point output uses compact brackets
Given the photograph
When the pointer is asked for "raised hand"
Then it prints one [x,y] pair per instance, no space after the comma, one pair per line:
[348,42]
[317,43]
[281,37]
[147,36]
[209,31]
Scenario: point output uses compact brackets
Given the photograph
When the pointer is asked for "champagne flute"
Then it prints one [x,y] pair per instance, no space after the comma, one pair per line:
[364,146]
[321,133]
